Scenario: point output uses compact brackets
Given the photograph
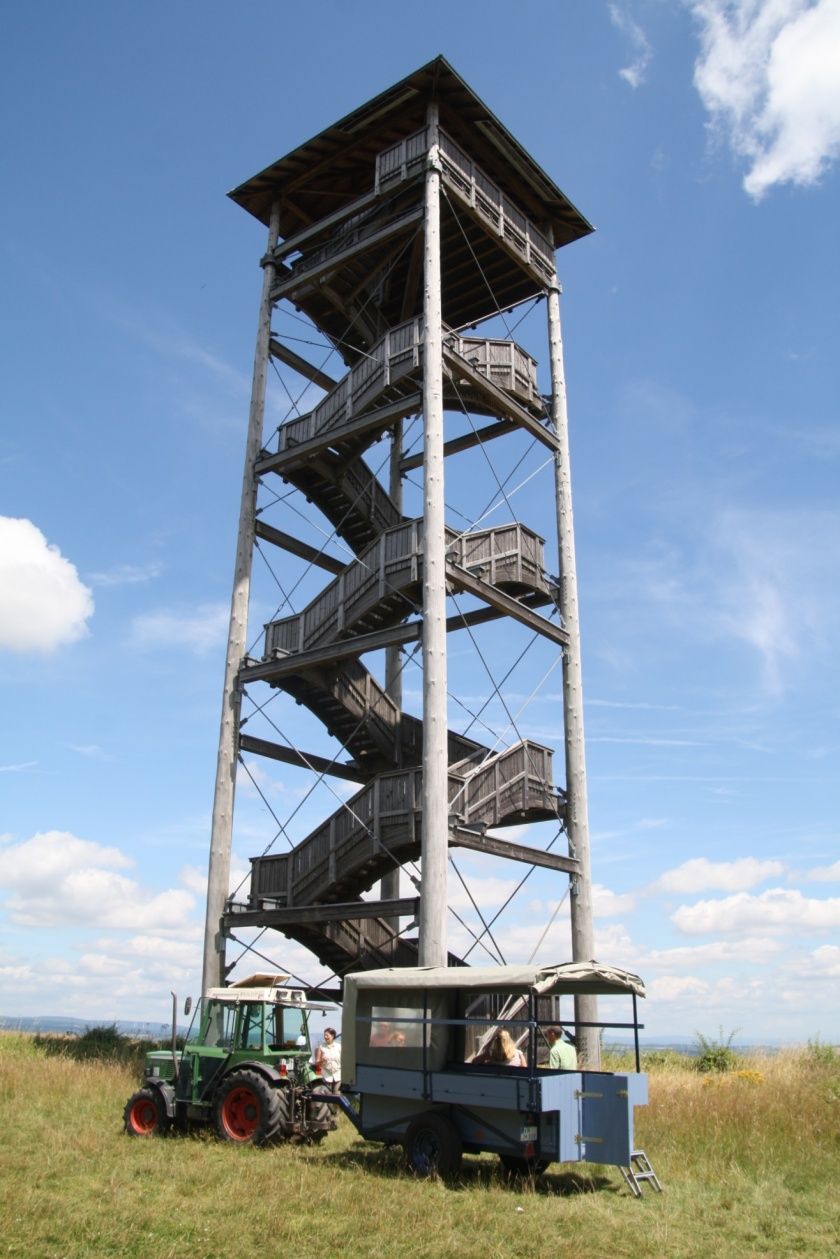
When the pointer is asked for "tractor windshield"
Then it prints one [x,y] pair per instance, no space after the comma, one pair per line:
[289,1026]
[219,1026]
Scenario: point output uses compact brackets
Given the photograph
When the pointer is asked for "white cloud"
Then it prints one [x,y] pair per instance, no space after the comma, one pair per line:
[43,604]
[825,874]
[90,750]
[754,566]
[607,904]
[673,987]
[777,909]
[201,629]
[56,879]
[127,575]
[634,74]
[194,879]
[700,875]
[826,960]
[753,949]
[767,74]
[20,768]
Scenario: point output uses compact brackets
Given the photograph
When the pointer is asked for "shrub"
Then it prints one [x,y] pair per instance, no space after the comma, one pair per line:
[98,1044]
[716,1055]
[820,1055]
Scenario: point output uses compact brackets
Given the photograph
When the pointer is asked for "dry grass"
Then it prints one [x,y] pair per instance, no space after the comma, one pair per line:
[750,1162]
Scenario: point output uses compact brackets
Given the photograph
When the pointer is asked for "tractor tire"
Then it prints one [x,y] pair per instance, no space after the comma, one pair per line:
[517,1165]
[249,1110]
[320,1116]
[432,1146]
[145,1114]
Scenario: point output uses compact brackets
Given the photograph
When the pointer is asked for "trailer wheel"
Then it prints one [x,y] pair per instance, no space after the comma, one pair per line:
[517,1165]
[145,1114]
[432,1146]
[249,1110]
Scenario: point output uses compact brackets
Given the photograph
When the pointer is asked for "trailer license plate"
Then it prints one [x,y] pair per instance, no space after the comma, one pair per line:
[528,1133]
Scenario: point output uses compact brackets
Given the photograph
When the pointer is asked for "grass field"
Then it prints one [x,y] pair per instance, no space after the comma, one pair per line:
[750,1161]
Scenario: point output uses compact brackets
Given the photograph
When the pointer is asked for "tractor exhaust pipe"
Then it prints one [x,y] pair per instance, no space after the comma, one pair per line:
[174,996]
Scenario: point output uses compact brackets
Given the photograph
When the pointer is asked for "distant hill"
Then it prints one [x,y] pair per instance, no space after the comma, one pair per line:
[161,1031]
[57,1023]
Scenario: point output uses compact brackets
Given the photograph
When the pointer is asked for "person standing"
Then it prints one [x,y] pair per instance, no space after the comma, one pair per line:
[561,1055]
[328,1058]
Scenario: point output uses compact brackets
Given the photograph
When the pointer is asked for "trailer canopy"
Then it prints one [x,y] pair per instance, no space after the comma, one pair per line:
[592,978]
[427,995]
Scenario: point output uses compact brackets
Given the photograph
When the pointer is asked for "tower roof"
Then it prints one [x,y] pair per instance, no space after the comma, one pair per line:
[337,165]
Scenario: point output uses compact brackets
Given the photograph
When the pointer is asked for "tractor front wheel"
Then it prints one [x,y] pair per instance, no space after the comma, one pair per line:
[249,1110]
[145,1114]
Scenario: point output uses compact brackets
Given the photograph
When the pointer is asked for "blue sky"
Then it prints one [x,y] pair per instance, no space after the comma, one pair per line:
[701,138]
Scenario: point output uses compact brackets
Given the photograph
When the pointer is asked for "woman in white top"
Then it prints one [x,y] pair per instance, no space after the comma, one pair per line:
[328,1058]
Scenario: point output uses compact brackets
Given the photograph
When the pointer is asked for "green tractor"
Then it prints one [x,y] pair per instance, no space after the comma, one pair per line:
[247,1071]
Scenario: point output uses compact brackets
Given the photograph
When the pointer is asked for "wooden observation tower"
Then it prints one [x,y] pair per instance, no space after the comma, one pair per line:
[397,233]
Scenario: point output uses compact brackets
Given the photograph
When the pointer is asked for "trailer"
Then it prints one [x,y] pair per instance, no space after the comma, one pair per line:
[417,1070]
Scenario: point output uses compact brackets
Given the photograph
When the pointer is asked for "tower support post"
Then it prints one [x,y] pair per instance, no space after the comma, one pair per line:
[435,798]
[218,873]
[390,884]
[577,809]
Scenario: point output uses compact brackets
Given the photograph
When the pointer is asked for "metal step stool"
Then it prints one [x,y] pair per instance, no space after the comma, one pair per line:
[638,1172]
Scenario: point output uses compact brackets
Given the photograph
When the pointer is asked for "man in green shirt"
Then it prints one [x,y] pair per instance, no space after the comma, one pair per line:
[561,1055]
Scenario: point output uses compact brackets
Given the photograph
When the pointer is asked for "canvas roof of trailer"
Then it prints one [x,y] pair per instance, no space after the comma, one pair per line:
[593,978]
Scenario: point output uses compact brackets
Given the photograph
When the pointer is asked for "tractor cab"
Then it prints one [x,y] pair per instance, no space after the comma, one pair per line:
[253,1017]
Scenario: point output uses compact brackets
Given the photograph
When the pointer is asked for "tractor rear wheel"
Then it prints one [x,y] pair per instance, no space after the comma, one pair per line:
[145,1114]
[320,1116]
[432,1146]
[248,1109]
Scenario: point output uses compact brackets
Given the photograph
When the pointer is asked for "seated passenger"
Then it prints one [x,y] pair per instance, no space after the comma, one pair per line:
[503,1051]
[562,1056]
[380,1034]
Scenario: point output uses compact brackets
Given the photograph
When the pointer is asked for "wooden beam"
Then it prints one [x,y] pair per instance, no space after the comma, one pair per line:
[506,604]
[291,243]
[463,838]
[454,447]
[300,365]
[299,662]
[382,417]
[294,915]
[355,316]
[295,547]
[502,402]
[308,760]
[308,276]
[347,648]
[412,279]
